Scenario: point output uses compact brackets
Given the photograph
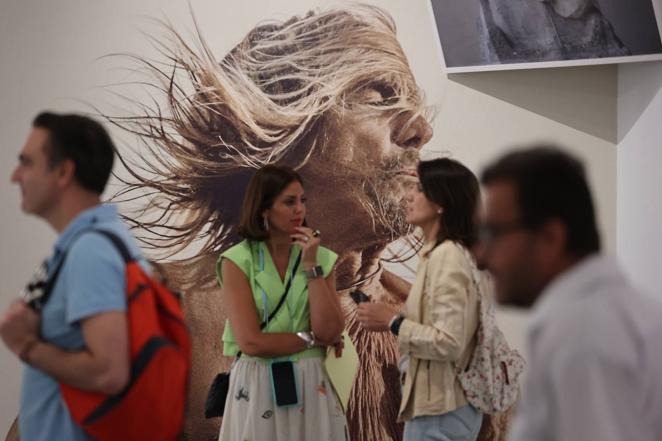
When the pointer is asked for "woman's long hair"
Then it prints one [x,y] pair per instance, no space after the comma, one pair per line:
[451,185]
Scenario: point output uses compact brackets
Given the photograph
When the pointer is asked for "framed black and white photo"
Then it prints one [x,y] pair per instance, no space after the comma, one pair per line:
[479,35]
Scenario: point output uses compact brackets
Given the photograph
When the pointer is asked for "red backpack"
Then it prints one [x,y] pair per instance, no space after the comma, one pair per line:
[151,406]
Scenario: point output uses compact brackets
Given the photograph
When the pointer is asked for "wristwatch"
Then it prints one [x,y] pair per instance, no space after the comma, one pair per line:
[395,323]
[307,337]
[314,272]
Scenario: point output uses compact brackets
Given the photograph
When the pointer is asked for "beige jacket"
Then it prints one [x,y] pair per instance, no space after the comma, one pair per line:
[439,331]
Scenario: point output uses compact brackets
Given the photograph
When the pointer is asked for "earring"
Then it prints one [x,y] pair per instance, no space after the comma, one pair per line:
[266,223]
[440,210]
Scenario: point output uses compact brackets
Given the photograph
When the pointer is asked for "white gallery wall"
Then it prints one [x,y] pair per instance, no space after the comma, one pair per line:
[640,173]
[51,51]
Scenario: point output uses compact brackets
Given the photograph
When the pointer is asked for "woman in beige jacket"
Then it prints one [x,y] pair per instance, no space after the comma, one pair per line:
[437,332]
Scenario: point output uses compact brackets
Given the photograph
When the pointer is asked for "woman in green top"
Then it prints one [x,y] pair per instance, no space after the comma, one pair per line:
[278,387]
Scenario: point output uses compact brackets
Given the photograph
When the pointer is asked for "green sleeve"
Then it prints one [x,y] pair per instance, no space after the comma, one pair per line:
[240,255]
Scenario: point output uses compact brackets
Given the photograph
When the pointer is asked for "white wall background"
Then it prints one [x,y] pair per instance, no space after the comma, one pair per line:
[50,51]
[640,173]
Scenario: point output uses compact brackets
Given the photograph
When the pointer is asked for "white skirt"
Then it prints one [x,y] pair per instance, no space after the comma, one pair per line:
[251,414]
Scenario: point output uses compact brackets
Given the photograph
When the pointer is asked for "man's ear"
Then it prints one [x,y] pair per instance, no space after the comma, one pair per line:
[553,236]
[66,172]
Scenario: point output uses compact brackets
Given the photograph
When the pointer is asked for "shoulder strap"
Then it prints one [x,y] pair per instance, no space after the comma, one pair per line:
[119,245]
[282,298]
[39,303]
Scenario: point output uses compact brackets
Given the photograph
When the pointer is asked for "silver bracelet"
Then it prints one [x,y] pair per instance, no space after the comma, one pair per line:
[308,338]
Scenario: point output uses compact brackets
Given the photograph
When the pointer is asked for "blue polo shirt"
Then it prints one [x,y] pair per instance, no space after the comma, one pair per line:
[91,281]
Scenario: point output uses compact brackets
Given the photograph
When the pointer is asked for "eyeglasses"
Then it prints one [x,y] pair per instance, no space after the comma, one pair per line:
[489,233]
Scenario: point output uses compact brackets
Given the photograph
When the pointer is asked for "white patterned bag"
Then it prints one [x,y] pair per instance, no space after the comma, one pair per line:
[491,380]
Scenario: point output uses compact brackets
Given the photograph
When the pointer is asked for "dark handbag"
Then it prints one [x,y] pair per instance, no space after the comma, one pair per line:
[218,391]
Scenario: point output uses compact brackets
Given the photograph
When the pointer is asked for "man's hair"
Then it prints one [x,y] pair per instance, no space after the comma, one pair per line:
[263,189]
[268,101]
[83,141]
[550,184]
[455,188]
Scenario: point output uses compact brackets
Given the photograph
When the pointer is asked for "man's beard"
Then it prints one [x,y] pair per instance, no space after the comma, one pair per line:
[383,191]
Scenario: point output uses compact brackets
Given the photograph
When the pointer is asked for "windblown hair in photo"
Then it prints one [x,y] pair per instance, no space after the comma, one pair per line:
[265,102]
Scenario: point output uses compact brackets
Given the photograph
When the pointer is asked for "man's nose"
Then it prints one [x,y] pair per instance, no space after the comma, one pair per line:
[14,178]
[415,134]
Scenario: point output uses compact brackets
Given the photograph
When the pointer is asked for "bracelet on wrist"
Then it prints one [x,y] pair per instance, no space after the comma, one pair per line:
[308,338]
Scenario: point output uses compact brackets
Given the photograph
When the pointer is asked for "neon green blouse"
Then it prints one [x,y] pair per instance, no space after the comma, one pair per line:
[254,260]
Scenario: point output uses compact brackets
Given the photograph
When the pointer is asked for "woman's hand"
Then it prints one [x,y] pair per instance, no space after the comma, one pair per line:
[375,316]
[309,240]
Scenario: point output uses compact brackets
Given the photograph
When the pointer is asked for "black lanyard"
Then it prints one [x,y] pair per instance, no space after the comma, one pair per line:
[282,298]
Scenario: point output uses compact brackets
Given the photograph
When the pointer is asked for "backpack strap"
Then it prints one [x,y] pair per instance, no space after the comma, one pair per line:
[484,305]
[39,303]
[119,244]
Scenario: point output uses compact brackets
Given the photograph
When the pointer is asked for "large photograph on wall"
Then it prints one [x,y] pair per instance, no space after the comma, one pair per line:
[480,35]
[323,92]
[328,92]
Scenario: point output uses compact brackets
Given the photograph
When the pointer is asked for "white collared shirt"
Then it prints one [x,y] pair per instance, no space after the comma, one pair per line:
[595,360]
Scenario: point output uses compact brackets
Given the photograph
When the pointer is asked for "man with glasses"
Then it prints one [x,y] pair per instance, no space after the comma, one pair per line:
[595,358]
